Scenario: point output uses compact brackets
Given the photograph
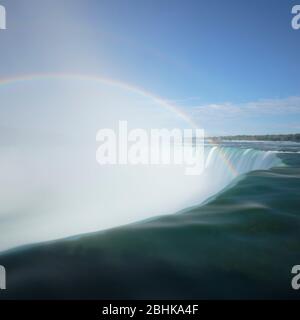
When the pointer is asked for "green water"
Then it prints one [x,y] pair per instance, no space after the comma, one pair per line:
[242,244]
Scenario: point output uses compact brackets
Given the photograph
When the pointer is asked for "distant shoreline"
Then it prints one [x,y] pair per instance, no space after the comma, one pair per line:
[269,137]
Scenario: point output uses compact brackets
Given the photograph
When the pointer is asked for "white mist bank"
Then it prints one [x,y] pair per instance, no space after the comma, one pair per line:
[46,196]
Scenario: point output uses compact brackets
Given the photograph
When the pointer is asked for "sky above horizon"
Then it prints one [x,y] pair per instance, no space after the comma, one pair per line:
[233,65]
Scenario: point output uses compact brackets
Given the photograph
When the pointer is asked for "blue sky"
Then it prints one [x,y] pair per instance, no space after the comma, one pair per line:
[233,65]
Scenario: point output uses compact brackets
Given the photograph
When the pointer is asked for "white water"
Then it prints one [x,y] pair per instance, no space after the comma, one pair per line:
[224,164]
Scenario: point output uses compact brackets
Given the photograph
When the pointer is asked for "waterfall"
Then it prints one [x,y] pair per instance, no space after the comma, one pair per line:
[46,196]
[224,164]
[51,186]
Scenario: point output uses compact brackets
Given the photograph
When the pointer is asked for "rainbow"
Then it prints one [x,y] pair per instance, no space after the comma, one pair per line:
[104,80]
[160,101]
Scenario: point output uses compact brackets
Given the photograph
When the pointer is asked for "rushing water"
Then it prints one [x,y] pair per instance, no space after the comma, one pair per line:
[240,241]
